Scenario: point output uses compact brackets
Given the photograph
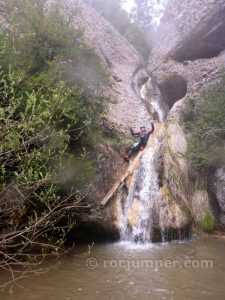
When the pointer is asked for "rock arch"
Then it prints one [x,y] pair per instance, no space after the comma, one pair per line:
[173,89]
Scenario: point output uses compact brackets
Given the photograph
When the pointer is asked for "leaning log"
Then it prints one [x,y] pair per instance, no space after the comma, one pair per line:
[129,172]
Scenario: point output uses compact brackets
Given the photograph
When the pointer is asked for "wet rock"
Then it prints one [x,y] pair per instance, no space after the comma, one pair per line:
[171,215]
[219,185]
[133,212]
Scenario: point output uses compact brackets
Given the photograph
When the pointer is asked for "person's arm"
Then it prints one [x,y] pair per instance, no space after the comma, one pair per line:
[152,129]
[134,133]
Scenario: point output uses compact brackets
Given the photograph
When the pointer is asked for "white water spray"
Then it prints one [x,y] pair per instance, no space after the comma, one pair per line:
[143,188]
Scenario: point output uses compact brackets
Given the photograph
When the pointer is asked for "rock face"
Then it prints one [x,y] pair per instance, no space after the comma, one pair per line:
[219,189]
[200,204]
[120,58]
[219,184]
[188,56]
[188,51]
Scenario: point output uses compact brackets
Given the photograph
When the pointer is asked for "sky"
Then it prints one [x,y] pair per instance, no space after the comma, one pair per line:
[158,8]
[128,5]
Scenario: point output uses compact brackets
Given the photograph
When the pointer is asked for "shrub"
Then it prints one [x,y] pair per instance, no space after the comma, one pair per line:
[41,40]
[36,132]
[46,115]
[205,125]
[45,118]
[207,222]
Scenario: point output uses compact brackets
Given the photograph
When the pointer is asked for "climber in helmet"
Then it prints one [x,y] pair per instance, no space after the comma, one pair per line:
[142,137]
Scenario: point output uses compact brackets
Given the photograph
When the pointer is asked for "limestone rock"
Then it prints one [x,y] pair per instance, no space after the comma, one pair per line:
[200,204]
[222,219]
[188,50]
[188,56]
[176,139]
[120,58]
[176,145]
[133,213]
[171,215]
[219,186]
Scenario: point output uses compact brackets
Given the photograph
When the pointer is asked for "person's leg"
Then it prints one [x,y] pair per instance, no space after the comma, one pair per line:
[142,146]
[135,147]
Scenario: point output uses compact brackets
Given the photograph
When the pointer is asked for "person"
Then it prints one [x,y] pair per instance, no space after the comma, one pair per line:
[142,138]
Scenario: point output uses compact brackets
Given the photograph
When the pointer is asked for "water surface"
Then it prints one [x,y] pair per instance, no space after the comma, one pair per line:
[113,278]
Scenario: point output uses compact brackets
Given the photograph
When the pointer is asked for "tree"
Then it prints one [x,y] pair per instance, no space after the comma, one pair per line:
[146,11]
[142,14]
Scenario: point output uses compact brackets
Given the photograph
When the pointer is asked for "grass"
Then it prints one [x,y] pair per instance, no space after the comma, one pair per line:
[208,221]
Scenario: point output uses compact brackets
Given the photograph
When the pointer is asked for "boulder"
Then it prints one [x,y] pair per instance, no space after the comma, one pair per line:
[219,186]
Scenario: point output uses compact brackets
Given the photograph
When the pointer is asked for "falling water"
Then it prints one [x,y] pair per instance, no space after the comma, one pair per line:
[143,188]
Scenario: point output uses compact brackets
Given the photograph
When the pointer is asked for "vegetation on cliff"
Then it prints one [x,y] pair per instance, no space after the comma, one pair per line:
[204,122]
[208,221]
[51,86]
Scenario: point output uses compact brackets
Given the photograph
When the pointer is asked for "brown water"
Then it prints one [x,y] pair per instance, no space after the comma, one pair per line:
[128,271]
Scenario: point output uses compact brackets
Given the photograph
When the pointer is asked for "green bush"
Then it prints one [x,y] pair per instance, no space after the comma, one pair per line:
[45,41]
[204,122]
[51,96]
[36,132]
[207,222]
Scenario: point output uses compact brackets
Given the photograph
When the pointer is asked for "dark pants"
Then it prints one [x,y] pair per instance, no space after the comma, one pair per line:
[134,148]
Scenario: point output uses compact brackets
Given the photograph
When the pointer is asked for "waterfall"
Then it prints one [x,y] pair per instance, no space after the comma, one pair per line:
[145,87]
[137,210]
[146,213]
[144,186]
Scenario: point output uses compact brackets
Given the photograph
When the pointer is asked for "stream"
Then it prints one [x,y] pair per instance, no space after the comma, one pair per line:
[125,270]
[143,187]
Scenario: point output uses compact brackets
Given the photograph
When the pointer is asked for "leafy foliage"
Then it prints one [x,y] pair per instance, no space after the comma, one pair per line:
[38,128]
[51,96]
[207,222]
[42,40]
[205,124]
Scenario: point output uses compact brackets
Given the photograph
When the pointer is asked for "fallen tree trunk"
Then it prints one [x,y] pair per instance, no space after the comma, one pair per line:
[157,133]
[128,173]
